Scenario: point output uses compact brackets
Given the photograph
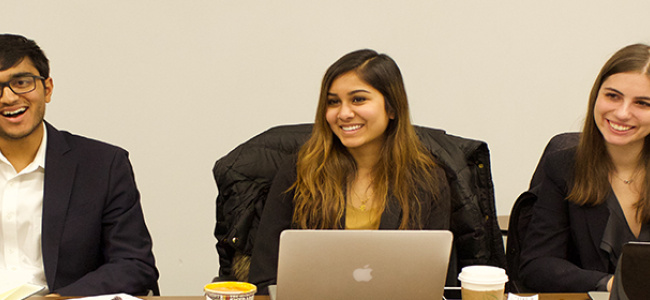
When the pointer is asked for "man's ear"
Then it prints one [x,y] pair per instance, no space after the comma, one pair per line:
[48,87]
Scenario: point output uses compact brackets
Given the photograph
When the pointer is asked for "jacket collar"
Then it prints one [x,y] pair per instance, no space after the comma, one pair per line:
[390,219]
[596,218]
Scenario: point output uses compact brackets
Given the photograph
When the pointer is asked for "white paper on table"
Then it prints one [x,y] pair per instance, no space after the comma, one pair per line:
[15,285]
[512,296]
[110,297]
[11,280]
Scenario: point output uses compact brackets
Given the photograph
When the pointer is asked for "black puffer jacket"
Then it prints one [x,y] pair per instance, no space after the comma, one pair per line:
[244,176]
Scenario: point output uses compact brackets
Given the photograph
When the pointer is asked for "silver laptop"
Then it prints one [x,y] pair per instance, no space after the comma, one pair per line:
[362,264]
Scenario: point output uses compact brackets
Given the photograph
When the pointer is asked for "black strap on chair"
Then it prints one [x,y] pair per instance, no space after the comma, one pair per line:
[520,216]
[522,210]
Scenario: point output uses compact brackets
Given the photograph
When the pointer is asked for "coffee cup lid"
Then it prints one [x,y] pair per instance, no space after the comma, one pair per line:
[483,275]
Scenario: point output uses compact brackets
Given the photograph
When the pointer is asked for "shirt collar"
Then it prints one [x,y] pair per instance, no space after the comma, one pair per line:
[39,159]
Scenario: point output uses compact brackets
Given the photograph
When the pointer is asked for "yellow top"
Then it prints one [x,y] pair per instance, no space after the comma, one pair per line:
[357,219]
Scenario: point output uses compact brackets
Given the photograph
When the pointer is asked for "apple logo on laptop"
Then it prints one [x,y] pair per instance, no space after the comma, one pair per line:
[362,274]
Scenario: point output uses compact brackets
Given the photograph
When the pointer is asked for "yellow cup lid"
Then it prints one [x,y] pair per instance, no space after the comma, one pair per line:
[229,287]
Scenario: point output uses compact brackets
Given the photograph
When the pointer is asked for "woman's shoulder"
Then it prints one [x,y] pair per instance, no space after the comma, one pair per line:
[558,167]
[560,160]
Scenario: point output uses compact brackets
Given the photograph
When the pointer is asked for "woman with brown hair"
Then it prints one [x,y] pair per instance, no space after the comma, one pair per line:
[362,168]
[595,197]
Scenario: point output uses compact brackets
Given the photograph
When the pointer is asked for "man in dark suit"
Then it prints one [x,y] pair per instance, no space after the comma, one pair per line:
[70,214]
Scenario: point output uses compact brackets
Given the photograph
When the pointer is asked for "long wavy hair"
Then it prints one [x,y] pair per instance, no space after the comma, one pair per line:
[325,167]
[593,164]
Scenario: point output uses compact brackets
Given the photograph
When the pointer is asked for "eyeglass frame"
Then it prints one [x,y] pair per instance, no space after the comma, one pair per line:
[8,84]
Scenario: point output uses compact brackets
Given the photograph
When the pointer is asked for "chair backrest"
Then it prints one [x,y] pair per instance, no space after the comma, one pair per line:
[517,226]
[522,210]
[244,176]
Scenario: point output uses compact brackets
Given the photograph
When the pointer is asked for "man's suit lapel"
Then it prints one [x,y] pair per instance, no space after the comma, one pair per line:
[59,178]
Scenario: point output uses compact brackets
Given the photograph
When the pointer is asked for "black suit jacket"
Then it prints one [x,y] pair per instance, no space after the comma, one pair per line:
[278,214]
[561,251]
[94,238]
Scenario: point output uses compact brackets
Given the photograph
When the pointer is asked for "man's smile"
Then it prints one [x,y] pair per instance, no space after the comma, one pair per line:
[14,113]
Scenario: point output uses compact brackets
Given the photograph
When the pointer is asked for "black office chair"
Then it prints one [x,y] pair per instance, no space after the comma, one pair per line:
[522,211]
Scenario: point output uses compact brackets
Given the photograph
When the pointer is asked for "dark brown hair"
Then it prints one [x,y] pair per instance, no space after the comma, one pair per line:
[593,163]
[14,48]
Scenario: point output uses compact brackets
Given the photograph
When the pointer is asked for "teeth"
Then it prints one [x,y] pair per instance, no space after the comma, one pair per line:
[350,128]
[13,113]
[619,127]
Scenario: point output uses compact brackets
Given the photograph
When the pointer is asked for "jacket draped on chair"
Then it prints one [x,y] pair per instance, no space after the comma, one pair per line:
[244,176]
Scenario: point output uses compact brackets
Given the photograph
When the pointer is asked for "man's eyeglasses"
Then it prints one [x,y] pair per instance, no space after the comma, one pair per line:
[21,84]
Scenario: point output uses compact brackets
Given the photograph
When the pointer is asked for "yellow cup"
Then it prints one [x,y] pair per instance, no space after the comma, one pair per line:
[229,290]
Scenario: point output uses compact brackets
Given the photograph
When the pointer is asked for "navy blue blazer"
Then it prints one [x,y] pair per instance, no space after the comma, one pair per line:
[561,251]
[94,238]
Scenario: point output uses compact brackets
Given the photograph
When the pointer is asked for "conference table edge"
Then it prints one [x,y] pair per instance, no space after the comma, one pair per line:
[543,296]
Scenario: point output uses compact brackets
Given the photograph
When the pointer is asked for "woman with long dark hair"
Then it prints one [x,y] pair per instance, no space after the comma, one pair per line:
[595,197]
[363,167]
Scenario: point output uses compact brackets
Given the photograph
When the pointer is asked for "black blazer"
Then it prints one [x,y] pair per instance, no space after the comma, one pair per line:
[278,214]
[561,251]
[94,238]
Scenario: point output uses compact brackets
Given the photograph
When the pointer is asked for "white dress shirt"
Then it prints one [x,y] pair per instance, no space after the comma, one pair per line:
[21,212]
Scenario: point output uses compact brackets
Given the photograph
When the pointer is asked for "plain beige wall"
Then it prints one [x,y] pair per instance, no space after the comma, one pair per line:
[181,83]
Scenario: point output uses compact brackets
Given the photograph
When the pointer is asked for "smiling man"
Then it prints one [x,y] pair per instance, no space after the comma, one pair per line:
[70,213]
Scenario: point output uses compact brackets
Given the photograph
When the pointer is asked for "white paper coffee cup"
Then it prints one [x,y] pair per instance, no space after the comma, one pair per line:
[482,282]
